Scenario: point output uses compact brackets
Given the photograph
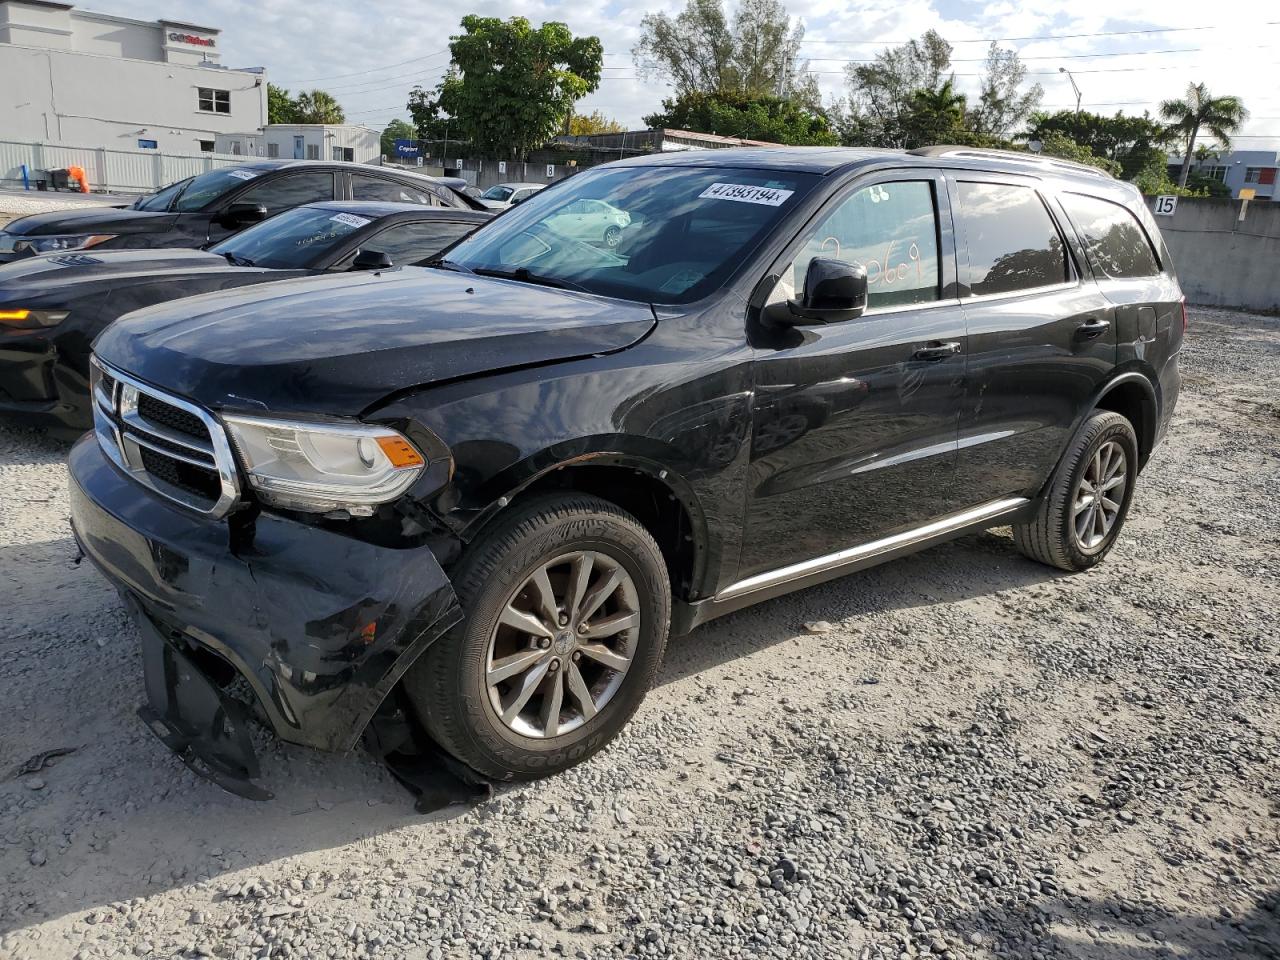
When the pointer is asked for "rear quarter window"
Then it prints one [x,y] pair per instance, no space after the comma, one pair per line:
[1013,243]
[1117,243]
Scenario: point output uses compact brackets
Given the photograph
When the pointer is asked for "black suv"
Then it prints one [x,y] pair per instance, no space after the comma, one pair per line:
[478,500]
[207,208]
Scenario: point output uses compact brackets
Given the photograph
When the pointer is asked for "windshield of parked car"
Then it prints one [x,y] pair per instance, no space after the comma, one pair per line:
[162,199]
[204,189]
[496,193]
[292,240]
[661,235]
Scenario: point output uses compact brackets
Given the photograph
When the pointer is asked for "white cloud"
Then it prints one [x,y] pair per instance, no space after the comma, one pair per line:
[302,42]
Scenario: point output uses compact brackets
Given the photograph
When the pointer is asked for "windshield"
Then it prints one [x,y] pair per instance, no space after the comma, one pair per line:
[496,193]
[661,235]
[204,189]
[161,200]
[292,240]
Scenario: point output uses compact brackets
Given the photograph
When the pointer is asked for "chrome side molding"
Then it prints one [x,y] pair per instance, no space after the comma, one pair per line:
[852,555]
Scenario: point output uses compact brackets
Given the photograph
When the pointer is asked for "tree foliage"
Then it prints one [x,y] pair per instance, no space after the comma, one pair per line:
[775,119]
[1057,144]
[510,87]
[316,106]
[702,50]
[1221,116]
[584,125]
[281,107]
[395,130]
[1132,142]
[1002,103]
[882,94]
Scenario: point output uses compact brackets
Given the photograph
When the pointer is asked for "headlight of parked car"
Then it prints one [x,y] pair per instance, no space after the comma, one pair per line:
[62,242]
[320,467]
[31,319]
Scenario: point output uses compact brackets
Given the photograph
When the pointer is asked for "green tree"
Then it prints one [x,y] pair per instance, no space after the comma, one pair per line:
[429,120]
[775,119]
[1221,116]
[1002,103]
[1133,142]
[395,130]
[881,94]
[281,107]
[510,87]
[935,116]
[1057,144]
[316,106]
[702,50]
[584,125]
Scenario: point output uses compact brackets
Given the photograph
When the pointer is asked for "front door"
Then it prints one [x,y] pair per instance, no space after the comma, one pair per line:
[1042,336]
[855,423]
[299,149]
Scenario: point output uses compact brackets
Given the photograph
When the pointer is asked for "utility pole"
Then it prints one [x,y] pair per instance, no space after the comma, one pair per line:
[783,76]
[1073,87]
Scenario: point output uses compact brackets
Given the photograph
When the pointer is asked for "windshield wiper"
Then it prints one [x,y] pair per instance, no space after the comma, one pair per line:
[237,261]
[440,263]
[522,275]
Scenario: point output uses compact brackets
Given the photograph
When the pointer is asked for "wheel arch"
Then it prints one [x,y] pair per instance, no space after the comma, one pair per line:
[1134,395]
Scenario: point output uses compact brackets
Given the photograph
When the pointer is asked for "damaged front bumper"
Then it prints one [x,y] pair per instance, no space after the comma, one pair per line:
[321,626]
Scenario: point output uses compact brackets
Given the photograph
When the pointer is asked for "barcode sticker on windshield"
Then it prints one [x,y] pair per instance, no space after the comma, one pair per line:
[350,219]
[746,193]
[241,174]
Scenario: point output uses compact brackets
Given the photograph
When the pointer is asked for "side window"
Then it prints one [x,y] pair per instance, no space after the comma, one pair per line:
[410,243]
[285,193]
[889,228]
[1012,241]
[1118,245]
[364,187]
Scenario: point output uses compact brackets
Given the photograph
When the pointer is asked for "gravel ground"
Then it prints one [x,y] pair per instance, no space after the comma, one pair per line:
[15,205]
[960,754]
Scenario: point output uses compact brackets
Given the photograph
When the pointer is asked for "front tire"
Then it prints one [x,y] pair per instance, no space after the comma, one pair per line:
[612,234]
[568,606]
[1081,514]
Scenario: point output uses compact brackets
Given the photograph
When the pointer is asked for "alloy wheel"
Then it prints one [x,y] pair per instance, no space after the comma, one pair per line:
[1099,496]
[563,644]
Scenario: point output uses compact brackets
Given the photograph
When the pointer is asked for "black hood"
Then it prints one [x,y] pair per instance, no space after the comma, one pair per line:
[337,345]
[69,276]
[91,220]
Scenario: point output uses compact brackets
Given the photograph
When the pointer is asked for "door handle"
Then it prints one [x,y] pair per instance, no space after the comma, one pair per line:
[937,350]
[1093,328]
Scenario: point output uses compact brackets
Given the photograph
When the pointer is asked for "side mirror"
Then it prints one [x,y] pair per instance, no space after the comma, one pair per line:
[371,260]
[834,290]
[243,214]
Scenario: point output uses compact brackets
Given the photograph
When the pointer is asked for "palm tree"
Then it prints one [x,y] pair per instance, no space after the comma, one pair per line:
[316,106]
[1222,116]
[935,113]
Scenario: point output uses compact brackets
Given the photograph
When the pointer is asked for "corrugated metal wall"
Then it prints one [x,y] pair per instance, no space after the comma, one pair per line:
[115,171]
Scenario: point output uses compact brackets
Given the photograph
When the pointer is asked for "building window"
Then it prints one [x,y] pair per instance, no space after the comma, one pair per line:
[147,145]
[1214,173]
[273,150]
[206,146]
[214,101]
[1260,175]
[313,151]
[344,153]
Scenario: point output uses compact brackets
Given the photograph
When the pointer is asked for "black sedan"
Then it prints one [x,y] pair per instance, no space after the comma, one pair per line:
[52,307]
[212,206]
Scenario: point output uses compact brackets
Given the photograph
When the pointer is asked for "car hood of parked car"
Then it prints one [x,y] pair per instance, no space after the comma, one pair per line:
[68,276]
[338,345]
[90,220]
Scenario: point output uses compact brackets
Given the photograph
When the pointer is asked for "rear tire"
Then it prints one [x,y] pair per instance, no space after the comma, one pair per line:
[1081,514]
[612,234]
[507,690]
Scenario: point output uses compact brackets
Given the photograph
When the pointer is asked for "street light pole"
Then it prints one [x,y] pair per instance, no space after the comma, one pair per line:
[1073,86]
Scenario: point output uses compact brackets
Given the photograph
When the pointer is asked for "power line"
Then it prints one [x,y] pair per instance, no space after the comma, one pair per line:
[1059,36]
[1064,56]
[360,73]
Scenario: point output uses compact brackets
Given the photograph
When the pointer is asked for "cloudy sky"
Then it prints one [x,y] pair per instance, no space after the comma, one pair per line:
[369,54]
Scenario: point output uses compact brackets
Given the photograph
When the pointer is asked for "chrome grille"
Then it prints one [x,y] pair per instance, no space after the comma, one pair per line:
[170,445]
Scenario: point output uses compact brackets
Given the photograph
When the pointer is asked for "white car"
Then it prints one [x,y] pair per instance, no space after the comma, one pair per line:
[593,221]
[503,195]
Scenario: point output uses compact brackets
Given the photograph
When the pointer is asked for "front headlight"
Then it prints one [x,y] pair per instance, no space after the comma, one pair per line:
[61,242]
[322,467]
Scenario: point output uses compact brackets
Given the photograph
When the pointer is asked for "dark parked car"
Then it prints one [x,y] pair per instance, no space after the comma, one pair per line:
[52,307]
[209,207]
[480,499]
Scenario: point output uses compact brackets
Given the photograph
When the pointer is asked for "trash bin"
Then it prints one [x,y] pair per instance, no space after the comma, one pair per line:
[60,179]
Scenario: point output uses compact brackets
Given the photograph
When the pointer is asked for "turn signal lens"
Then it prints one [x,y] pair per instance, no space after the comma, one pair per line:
[33,319]
[16,316]
[400,452]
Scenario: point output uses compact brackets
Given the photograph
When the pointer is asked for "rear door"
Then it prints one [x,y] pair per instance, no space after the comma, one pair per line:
[1042,336]
[854,423]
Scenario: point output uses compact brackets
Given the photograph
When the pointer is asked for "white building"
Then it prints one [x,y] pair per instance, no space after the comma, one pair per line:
[72,76]
[306,141]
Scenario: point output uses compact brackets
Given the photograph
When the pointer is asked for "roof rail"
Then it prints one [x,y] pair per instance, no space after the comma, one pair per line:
[987,153]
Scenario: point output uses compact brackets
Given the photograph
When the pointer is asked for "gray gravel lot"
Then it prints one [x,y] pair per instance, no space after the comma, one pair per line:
[969,756]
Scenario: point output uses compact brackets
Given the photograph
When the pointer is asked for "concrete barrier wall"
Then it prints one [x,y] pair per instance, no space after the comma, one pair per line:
[1222,260]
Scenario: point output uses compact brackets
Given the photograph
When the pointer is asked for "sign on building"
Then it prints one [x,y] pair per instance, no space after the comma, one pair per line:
[1165,205]
[408,148]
